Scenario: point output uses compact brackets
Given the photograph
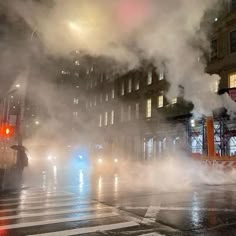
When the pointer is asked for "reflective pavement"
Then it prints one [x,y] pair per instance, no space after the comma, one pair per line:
[60,202]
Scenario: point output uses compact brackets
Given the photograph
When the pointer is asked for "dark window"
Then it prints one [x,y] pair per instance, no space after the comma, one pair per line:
[233,41]
[233,4]
[213,49]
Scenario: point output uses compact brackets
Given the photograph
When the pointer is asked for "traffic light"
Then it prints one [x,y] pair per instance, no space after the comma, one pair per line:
[7,131]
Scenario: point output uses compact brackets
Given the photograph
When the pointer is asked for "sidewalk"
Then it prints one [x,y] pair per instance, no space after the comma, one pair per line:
[9,180]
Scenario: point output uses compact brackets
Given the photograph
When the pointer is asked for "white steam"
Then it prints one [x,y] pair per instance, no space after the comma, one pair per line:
[166,32]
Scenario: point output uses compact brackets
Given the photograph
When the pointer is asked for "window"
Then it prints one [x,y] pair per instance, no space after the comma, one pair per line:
[149,78]
[161,75]
[213,49]
[95,101]
[137,111]
[106,119]
[122,92]
[112,117]
[137,85]
[101,97]
[215,86]
[113,93]
[233,41]
[106,97]
[232,80]
[122,113]
[160,101]
[100,120]
[174,101]
[233,4]
[75,114]
[149,108]
[129,89]
[76,101]
[129,113]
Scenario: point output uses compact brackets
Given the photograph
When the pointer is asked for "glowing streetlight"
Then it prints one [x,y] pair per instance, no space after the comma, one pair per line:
[37,122]
[17,85]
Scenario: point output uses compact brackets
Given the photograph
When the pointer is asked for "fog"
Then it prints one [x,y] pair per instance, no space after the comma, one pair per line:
[170,34]
[132,30]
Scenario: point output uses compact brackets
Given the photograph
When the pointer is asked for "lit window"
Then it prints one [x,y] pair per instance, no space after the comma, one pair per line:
[129,89]
[101,78]
[112,117]
[75,114]
[107,97]
[161,75]
[122,89]
[160,101]
[215,86]
[113,93]
[137,110]
[106,119]
[149,78]
[232,80]
[137,86]
[95,101]
[76,101]
[174,101]
[100,120]
[149,108]
[129,113]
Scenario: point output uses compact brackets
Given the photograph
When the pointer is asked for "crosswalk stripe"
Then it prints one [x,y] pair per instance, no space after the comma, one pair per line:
[152,234]
[43,201]
[70,204]
[21,197]
[55,212]
[90,229]
[59,220]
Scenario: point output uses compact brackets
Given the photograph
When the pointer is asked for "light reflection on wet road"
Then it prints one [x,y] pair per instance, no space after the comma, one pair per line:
[204,209]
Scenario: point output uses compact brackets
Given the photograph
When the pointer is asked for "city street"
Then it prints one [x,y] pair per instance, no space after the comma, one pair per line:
[80,203]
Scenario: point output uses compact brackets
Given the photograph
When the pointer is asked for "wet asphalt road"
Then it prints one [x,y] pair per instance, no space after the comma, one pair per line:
[79,203]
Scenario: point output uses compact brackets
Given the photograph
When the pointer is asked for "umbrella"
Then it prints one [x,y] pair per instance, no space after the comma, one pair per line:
[18,147]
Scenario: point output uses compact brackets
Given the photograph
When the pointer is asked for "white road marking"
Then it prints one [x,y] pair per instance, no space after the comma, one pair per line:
[152,212]
[185,209]
[55,212]
[59,220]
[46,206]
[43,201]
[152,234]
[90,229]
[39,196]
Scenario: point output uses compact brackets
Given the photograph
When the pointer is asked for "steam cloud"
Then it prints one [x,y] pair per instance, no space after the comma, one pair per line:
[166,32]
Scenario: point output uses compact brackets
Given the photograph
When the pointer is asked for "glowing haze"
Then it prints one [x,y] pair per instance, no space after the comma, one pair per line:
[166,32]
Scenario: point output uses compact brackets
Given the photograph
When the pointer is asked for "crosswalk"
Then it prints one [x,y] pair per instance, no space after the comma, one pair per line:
[57,213]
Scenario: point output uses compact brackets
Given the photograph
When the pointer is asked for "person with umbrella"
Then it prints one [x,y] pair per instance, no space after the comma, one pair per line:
[21,160]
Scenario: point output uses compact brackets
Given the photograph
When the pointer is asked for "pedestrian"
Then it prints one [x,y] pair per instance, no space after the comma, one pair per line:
[21,163]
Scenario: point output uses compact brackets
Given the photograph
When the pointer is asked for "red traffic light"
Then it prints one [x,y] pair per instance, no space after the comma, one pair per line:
[7,131]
